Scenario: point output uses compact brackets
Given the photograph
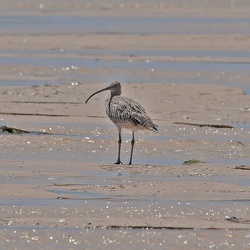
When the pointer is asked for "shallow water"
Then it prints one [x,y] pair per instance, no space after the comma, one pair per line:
[49,24]
[217,70]
[233,73]
[99,144]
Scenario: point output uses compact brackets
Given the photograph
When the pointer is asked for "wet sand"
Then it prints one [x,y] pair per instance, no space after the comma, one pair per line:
[59,188]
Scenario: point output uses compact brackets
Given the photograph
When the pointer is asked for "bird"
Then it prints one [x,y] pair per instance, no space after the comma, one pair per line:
[125,113]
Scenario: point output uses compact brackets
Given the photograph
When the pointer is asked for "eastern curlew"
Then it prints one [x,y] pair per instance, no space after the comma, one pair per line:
[125,113]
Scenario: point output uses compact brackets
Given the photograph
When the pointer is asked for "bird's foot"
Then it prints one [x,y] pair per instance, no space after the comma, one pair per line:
[118,162]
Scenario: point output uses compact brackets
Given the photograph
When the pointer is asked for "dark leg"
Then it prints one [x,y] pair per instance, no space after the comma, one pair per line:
[132,147]
[119,147]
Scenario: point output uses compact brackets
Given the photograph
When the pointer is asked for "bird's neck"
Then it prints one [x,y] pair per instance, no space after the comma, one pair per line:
[110,97]
[112,94]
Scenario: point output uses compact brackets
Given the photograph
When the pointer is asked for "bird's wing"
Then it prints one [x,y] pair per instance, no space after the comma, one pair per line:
[126,104]
[127,110]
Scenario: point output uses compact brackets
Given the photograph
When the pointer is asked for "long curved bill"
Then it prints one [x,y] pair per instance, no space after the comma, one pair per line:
[108,88]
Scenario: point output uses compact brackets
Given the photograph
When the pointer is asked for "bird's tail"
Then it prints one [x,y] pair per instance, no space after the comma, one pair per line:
[151,126]
[154,128]
[144,121]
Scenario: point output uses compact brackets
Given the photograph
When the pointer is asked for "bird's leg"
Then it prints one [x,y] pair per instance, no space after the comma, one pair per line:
[119,147]
[132,147]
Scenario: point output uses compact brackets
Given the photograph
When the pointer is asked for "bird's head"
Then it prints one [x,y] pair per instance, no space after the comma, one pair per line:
[114,87]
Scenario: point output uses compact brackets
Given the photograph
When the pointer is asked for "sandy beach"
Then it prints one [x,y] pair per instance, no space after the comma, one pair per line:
[59,186]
